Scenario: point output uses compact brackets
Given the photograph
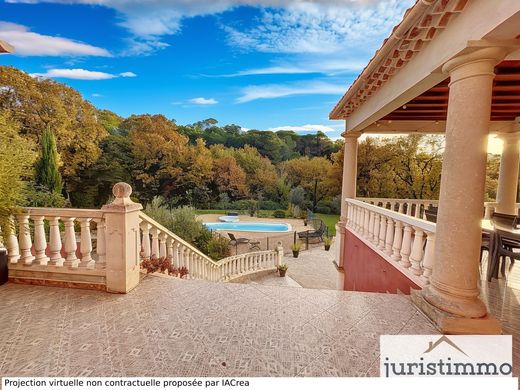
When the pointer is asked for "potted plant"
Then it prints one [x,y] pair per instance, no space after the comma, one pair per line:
[327,241]
[282,269]
[296,248]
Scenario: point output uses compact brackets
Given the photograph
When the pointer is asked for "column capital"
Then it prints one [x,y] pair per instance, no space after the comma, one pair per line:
[351,136]
[475,62]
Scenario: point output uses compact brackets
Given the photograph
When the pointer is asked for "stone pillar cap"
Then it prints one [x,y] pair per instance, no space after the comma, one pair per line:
[122,201]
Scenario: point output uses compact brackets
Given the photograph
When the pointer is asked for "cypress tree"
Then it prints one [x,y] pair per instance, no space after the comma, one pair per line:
[47,173]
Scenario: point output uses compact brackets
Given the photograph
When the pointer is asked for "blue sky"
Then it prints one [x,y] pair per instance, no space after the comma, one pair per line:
[263,64]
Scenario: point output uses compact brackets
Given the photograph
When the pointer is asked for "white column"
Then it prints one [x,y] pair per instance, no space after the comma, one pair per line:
[348,189]
[508,174]
[454,281]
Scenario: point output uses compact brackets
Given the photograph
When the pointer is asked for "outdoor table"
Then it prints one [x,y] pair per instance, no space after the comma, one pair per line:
[494,228]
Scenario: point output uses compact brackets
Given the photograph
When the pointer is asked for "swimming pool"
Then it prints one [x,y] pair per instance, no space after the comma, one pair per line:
[265,227]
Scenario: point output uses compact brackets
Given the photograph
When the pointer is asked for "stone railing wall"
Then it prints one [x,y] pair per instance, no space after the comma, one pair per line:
[58,244]
[411,207]
[102,249]
[404,241]
[416,207]
[158,241]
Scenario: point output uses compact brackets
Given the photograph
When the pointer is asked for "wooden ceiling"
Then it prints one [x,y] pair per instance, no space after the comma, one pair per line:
[432,105]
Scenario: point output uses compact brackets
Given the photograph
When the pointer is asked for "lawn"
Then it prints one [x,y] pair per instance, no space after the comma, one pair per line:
[329,220]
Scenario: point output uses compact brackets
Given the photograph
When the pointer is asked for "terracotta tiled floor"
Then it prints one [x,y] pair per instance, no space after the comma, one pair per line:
[176,327]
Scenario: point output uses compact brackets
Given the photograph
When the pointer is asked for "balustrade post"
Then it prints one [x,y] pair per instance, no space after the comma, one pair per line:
[279,254]
[86,244]
[122,232]
[398,241]
[406,246]
[13,249]
[428,257]
[145,244]
[162,245]
[100,242]
[375,233]
[55,244]
[169,248]
[155,241]
[25,239]
[370,232]
[40,241]
[389,238]
[417,251]
[417,210]
[71,244]
[382,232]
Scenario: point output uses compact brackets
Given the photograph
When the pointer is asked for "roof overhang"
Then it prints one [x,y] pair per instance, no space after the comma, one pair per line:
[5,47]
[407,69]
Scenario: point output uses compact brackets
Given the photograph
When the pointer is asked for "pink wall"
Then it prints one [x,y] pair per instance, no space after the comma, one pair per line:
[366,271]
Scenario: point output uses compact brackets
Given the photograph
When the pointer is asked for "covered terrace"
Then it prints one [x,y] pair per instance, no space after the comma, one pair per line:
[451,67]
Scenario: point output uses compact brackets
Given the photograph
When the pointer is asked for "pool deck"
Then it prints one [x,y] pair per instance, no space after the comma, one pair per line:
[268,240]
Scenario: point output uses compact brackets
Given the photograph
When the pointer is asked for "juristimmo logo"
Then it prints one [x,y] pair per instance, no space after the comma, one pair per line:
[438,355]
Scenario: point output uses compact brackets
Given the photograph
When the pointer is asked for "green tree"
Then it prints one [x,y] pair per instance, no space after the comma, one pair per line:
[16,159]
[47,167]
[313,175]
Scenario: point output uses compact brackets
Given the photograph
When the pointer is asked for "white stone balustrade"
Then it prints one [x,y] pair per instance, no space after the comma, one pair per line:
[416,207]
[37,239]
[405,241]
[412,207]
[158,241]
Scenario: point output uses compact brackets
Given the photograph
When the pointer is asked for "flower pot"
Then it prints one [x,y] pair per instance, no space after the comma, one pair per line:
[295,253]
[282,272]
[327,247]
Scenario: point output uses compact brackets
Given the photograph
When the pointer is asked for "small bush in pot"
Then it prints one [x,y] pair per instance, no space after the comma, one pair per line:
[296,248]
[282,269]
[327,241]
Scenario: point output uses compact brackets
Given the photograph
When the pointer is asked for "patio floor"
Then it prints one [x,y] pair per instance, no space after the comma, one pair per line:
[173,327]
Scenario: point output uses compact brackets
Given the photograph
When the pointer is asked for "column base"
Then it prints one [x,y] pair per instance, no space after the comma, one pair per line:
[448,323]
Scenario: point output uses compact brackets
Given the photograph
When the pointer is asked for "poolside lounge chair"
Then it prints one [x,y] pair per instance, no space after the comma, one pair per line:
[316,233]
[253,244]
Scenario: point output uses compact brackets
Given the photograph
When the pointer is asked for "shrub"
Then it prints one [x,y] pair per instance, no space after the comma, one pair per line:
[268,205]
[186,224]
[243,204]
[279,214]
[323,209]
[263,214]
[157,210]
[218,248]
[297,196]
[203,239]
[296,246]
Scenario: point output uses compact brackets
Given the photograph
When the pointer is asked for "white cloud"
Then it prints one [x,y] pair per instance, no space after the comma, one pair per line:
[80,74]
[284,26]
[328,66]
[272,91]
[304,128]
[27,43]
[203,101]
[127,74]
[96,95]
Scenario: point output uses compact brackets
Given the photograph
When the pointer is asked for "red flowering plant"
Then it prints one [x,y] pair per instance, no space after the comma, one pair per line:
[163,264]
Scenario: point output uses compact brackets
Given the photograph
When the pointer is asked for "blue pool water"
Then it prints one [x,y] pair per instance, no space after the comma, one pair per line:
[249,226]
